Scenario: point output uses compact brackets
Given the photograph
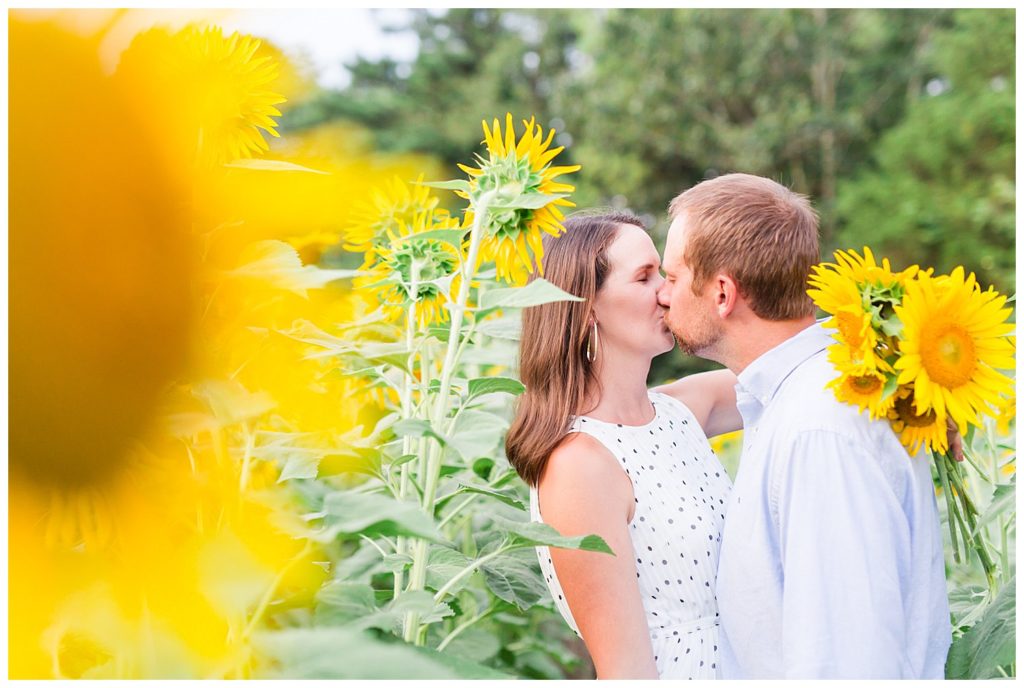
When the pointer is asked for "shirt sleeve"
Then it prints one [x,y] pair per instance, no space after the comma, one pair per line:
[845,550]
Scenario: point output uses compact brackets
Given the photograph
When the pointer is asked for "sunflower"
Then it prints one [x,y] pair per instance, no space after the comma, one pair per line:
[390,275]
[1006,413]
[521,167]
[387,209]
[954,340]
[865,390]
[860,295]
[216,86]
[916,429]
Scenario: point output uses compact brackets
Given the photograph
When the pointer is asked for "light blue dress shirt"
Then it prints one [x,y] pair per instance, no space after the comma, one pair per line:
[831,562]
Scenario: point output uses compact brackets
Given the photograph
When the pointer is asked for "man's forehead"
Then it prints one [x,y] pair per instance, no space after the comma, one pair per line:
[675,241]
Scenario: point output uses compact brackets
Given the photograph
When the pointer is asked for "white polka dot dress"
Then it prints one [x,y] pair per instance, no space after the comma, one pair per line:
[681,491]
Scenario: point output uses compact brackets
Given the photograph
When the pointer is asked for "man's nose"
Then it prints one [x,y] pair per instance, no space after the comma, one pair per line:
[665,293]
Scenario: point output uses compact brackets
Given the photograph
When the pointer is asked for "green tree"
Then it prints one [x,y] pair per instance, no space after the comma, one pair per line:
[940,190]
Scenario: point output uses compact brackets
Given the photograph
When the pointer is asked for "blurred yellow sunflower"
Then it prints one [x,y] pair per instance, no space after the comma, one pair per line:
[388,208]
[216,86]
[524,167]
[954,340]
[927,429]
[1006,413]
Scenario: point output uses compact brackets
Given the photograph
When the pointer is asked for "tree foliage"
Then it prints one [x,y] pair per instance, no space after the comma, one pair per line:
[899,124]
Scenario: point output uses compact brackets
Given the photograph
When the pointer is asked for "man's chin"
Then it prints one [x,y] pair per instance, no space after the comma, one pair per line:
[691,348]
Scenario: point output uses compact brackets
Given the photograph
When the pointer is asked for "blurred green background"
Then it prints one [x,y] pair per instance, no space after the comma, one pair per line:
[899,124]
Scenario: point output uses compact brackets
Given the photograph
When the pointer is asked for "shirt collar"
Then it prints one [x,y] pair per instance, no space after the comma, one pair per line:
[763,376]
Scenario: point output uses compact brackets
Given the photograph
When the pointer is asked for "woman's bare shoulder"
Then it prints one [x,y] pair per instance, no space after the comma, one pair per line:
[581,469]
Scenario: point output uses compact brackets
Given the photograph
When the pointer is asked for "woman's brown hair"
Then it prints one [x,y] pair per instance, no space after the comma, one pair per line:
[553,363]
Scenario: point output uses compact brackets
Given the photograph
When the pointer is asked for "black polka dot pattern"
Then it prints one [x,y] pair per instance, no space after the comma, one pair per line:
[680,490]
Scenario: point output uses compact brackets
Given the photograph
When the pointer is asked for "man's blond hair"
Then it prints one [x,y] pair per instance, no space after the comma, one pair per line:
[757,231]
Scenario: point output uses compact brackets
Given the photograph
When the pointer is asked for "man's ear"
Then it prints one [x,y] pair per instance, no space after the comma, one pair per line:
[727,294]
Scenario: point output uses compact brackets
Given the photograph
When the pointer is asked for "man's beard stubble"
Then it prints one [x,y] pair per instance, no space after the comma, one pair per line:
[701,344]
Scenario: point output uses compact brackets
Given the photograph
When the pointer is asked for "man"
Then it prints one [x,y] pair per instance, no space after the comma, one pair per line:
[831,561]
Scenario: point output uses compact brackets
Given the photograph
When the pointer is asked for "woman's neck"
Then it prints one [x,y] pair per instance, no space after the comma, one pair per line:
[622,397]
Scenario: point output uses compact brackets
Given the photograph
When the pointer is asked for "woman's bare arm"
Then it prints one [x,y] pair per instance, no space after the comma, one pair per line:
[711,397]
[583,490]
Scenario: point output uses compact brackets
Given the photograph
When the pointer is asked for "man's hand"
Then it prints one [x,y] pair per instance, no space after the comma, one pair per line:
[956,442]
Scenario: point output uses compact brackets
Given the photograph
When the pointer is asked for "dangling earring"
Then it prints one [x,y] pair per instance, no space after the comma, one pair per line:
[592,343]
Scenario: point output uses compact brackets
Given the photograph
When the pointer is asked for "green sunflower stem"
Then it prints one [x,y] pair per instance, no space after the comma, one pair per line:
[407,383]
[417,576]
[951,509]
[967,515]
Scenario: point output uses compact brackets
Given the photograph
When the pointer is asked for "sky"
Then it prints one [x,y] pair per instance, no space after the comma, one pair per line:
[328,36]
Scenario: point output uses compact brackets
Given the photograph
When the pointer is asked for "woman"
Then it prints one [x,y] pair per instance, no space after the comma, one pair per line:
[603,454]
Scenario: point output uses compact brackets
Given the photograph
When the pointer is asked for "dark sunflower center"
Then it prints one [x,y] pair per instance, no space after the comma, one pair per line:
[905,408]
[864,384]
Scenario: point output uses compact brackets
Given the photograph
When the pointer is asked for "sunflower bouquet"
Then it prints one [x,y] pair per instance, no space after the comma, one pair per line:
[924,351]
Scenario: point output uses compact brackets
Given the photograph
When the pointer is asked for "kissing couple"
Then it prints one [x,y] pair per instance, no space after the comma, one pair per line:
[823,560]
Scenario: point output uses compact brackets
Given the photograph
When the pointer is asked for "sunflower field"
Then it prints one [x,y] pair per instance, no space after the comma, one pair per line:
[260,383]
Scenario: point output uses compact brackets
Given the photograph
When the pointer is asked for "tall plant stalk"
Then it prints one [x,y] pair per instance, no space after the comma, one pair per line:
[429,479]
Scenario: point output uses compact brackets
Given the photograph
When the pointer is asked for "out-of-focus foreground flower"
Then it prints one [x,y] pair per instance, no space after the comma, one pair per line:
[168,367]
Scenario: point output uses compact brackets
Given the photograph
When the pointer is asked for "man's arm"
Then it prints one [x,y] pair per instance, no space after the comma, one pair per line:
[844,544]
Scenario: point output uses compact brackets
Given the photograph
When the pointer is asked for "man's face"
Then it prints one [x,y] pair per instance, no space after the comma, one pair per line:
[691,317]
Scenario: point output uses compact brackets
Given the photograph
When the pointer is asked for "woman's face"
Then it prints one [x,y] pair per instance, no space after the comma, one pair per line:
[629,318]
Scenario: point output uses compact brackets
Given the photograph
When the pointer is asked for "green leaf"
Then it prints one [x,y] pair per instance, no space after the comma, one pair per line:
[536,664]
[232,403]
[964,600]
[1004,501]
[508,327]
[299,466]
[271,166]
[453,185]
[360,566]
[403,459]
[476,433]
[372,515]
[536,293]
[422,602]
[488,385]
[277,264]
[340,602]
[474,644]
[892,327]
[529,201]
[443,563]
[525,534]
[464,667]
[417,427]
[516,579]
[343,653]
[396,562]
[506,496]
[351,460]
[453,237]
[988,644]
[891,386]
